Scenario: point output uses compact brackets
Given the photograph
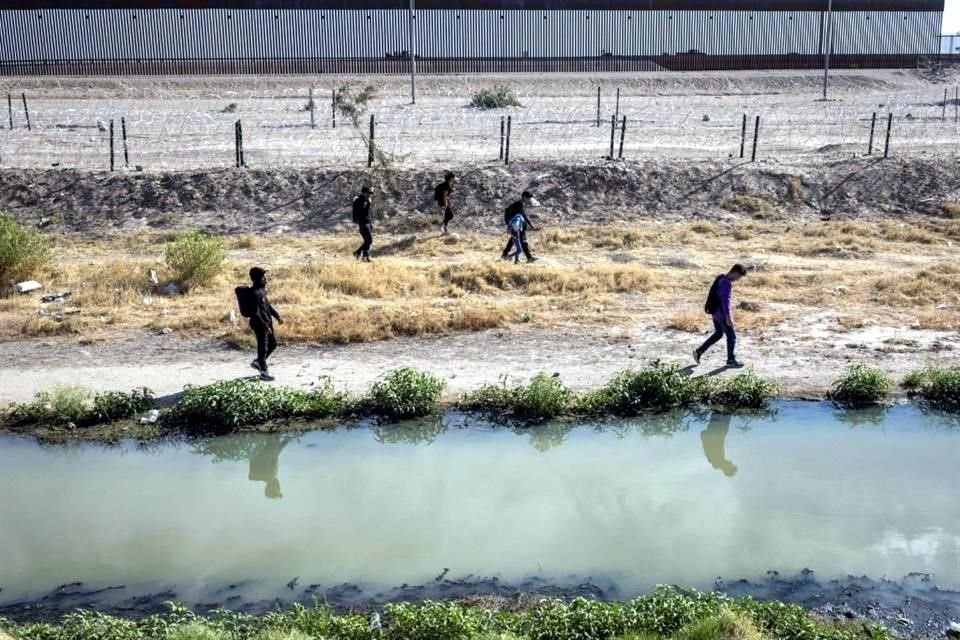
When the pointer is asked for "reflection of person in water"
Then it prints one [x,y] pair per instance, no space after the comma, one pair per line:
[265,462]
[713,438]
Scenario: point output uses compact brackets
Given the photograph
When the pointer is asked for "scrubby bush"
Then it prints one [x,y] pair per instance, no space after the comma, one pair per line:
[545,397]
[405,393]
[496,97]
[195,258]
[745,390]
[23,250]
[656,387]
[938,386]
[81,407]
[726,625]
[434,621]
[233,403]
[860,386]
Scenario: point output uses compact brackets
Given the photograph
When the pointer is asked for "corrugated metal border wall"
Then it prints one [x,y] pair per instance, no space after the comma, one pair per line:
[115,41]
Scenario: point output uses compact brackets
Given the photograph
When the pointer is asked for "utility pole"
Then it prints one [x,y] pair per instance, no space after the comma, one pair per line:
[826,51]
[413,57]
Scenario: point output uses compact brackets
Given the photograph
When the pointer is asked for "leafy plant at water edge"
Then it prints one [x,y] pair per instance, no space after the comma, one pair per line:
[543,398]
[939,386]
[656,387]
[71,404]
[405,393]
[234,403]
[496,97]
[745,390]
[23,250]
[434,621]
[195,258]
[860,386]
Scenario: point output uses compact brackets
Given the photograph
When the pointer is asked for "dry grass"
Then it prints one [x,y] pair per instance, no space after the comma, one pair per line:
[420,284]
[756,206]
[939,320]
[951,210]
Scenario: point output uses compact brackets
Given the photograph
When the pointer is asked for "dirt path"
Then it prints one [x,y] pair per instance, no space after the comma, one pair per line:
[801,355]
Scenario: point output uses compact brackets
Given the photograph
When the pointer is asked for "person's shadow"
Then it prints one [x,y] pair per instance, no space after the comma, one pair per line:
[265,462]
[713,439]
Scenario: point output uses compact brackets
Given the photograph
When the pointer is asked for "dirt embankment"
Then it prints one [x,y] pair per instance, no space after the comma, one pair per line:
[230,201]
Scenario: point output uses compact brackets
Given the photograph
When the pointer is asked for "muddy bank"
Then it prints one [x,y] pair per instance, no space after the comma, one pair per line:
[231,201]
[912,607]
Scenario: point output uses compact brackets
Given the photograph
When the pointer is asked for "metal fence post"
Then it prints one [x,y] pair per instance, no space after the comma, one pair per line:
[123,133]
[10,110]
[886,146]
[236,143]
[873,125]
[616,112]
[756,134]
[333,108]
[370,145]
[944,114]
[26,111]
[623,130]
[111,144]
[506,155]
[503,124]
[313,108]
[613,133]
[598,106]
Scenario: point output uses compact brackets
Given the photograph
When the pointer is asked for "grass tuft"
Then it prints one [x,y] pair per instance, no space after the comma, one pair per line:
[405,393]
[938,386]
[497,97]
[745,390]
[81,407]
[861,386]
[543,398]
[23,251]
[195,258]
[657,387]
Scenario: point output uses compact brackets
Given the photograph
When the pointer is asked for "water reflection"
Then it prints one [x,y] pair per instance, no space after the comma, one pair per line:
[261,450]
[419,431]
[713,439]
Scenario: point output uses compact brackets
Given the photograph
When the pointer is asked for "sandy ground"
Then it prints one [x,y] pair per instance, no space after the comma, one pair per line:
[188,123]
[801,355]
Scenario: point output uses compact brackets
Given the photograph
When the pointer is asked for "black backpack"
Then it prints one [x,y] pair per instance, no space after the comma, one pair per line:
[247,301]
[358,211]
[439,190]
[713,297]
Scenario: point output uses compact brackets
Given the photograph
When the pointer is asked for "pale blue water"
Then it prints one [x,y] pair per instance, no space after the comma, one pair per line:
[680,498]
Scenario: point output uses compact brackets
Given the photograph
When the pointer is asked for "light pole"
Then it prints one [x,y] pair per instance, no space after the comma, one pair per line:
[413,59]
[826,53]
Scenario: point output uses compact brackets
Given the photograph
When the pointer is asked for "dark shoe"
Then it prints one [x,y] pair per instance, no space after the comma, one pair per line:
[266,377]
[366,258]
[356,254]
[532,259]
[255,364]
[734,364]
[696,356]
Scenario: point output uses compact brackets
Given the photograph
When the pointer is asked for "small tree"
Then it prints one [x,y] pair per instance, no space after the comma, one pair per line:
[23,250]
[195,258]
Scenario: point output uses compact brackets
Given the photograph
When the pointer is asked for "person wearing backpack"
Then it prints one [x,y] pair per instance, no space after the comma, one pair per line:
[441,193]
[361,217]
[720,307]
[518,228]
[255,305]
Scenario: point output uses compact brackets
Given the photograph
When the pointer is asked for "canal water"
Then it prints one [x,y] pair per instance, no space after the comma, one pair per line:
[679,498]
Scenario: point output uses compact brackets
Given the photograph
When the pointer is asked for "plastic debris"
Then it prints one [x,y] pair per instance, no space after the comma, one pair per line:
[150,417]
[55,297]
[27,286]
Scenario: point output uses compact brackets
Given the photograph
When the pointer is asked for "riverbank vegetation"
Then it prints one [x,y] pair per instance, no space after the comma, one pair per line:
[407,393]
[668,613]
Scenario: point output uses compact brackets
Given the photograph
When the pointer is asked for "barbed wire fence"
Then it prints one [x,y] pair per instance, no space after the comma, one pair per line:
[290,130]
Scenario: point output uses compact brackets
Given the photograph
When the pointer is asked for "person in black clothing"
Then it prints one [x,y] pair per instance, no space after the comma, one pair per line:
[442,195]
[262,323]
[361,216]
[515,209]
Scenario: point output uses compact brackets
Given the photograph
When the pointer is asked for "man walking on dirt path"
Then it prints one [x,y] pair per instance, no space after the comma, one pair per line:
[441,194]
[720,306]
[518,235]
[261,322]
[361,217]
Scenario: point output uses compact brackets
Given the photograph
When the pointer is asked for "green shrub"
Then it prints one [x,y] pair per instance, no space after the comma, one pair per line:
[745,390]
[405,393]
[860,386]
[726,625]
[435,621]
[23,250]
[543,398]
[195,258]
[195,631]
[71,404]
[234,403]
[938,386]
[496,97]
[656,387]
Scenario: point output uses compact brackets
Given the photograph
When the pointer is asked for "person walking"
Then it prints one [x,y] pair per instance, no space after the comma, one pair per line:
[261,322]
[518,228]
[720,307]
[441,194]
[361,217]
